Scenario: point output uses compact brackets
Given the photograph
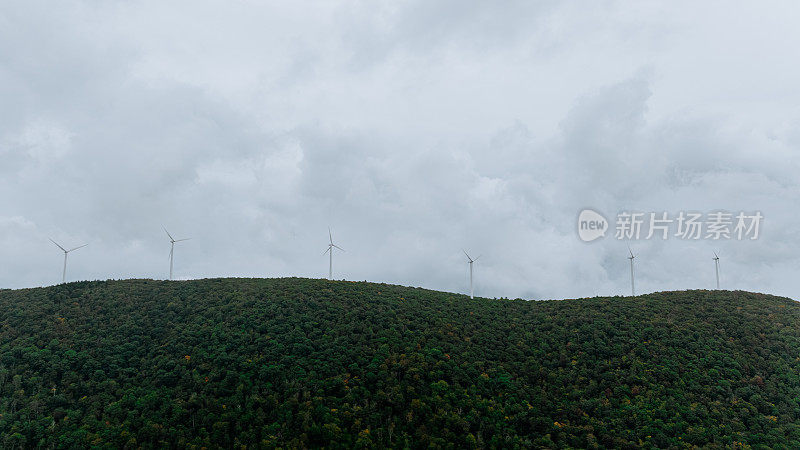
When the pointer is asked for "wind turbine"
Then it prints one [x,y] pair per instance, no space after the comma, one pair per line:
[66,252]
[331,245]
[633,286]
[471,291]
[172,249]
[716,266]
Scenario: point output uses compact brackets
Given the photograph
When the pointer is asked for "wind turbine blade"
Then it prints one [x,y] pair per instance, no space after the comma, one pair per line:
[630,251]
[185,239]
[54,242]
[84,245]
[468,257]
[340,248]
[715,255]
[326,251]
[330,235]
[477,258]
[165,231]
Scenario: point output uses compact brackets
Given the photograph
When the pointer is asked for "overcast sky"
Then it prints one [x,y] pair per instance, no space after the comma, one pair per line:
[413,129]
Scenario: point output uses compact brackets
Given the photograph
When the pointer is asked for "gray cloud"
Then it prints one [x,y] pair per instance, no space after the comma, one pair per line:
[412,130]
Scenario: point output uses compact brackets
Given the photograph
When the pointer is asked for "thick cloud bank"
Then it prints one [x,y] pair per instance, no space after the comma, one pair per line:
[414,131]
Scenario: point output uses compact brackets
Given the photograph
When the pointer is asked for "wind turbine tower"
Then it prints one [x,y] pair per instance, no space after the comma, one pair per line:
[331,246]
[633,285]
[470,260]
[66,252]
[172,249]
[716,266]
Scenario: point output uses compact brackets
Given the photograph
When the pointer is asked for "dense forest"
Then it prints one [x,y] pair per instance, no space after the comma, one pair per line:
[266,363]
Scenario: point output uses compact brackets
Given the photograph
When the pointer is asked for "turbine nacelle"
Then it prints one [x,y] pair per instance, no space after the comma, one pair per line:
[65,250]
[171,239]
[332,246]
[469,258]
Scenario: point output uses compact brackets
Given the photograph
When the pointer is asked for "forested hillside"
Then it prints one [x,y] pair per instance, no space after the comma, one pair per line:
[309,363]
